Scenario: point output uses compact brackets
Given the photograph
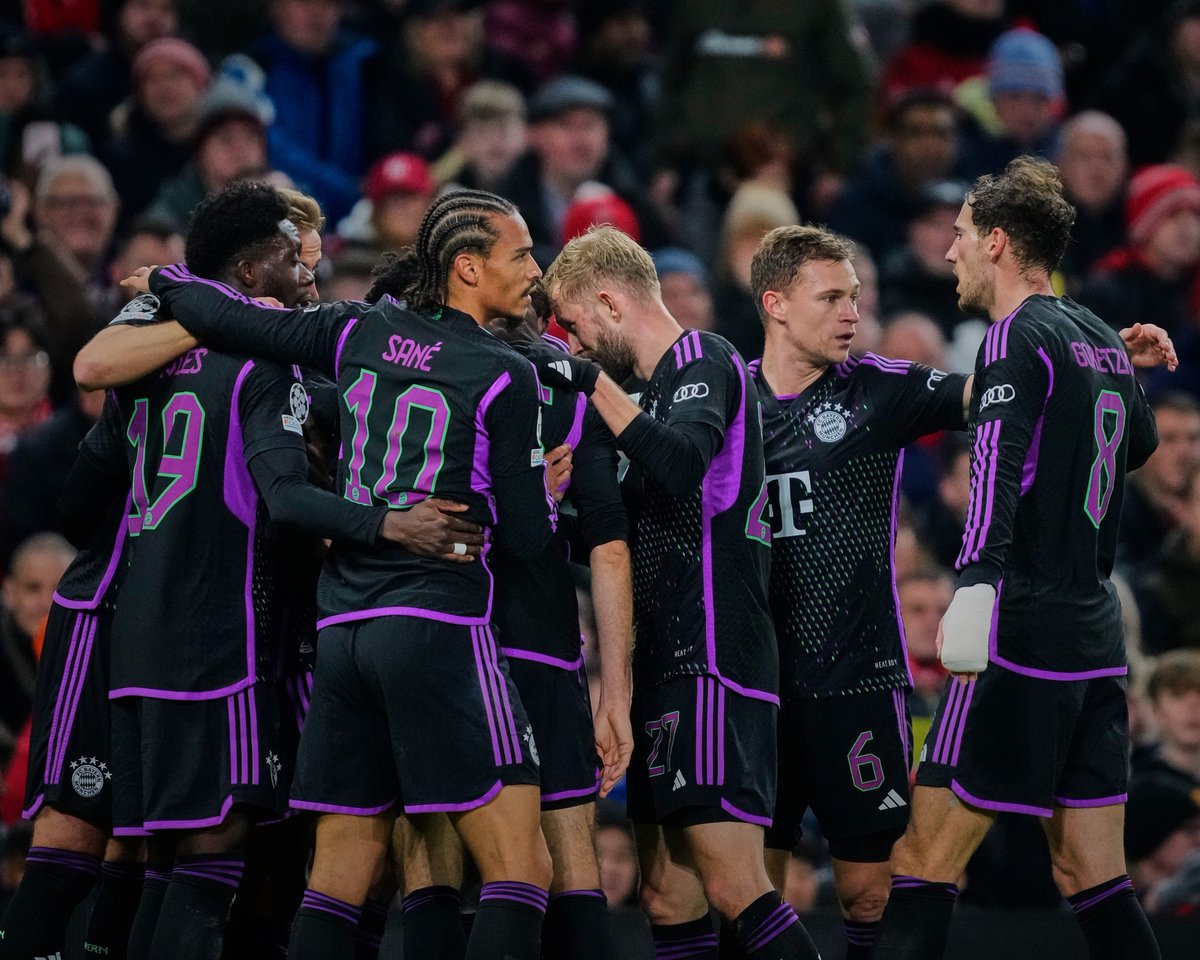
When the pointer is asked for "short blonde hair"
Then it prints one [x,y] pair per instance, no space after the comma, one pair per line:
[303,210]
[602,255]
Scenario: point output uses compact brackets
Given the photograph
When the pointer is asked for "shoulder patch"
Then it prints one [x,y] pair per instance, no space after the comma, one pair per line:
[292,425]
[300,402]
[139,312]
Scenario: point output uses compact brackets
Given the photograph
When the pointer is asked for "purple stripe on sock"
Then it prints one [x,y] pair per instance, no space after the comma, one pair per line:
[375,909]
[589,894]
[232,882]
[118,869]
[685,949]
[1118,884]
[780,919]
[331,905]
[65,859]
[158,875]
[516,891]
[420,898]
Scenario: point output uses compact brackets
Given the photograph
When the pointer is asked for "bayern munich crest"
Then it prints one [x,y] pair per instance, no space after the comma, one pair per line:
[829,421]
[298,401]
[88,775]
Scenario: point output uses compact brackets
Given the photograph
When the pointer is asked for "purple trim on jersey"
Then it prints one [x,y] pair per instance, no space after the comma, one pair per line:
[553,341]
[892,564]
[456,807]
[31,811]
[885,364]
[493,685]
[419,612]
[983,492]
[155,694]
[517,654]
[687,348]
[481,477]
[786,397]
[130,832]
[1029,469]
[962,793]
[710,731]
[576,431]
[337,353]
[226,806]
[678,355]
[179,272]
[900,701]
[1062,675]
[336,808]
[572,794]
[109,572]
[89,639]
[1114,801]
[241,497]
[743,815]
[947,718]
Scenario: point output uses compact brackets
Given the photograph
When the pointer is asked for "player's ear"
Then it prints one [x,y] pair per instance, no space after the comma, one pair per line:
[466,266]
[771,301]
[997,242]
[247,273]
[609,302]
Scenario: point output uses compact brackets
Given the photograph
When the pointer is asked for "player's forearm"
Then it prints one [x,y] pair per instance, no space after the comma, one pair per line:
[676,455]
[613,404]
[122,354]
[612,595]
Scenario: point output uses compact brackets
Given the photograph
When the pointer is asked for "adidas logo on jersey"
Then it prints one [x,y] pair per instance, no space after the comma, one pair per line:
[562,368]
[679,781]
[892,801]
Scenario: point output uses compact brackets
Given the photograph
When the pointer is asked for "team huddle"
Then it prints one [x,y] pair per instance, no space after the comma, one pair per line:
[215,680]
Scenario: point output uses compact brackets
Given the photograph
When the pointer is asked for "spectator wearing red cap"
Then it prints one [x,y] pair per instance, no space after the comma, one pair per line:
[398,190]
[596,205]
[1151,277]
[152,131]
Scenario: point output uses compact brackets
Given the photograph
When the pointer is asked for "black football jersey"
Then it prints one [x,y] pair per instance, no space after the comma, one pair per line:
[700,561]
[429,404]
[198,616]
[536,613]
[1057,419]
[93,576]
[834,458]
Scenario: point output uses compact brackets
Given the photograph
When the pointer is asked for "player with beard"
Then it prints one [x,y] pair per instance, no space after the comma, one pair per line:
[412,700]
[1035,721]
[706,668]
[834,431]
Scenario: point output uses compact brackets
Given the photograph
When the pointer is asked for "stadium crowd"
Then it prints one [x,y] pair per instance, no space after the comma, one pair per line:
[695,128]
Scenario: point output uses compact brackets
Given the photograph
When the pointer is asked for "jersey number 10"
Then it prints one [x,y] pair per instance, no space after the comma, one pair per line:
[427,456]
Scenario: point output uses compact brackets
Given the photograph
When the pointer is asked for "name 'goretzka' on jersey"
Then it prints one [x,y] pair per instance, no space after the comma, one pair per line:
[834,458]
[191,430]
[429,405]
[536,612]
[700,561]
[1056,420]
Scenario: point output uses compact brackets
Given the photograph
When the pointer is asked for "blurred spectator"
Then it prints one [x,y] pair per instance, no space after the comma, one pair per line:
[869,331]
[911,335]
[28,589]
[1152,275]
[24,382]
[802,885]
[1091,155]
[317,77]
[491,137]
[948,44]
[684,283]
[569,135]
[23,83]
[804,67]
[90,90]
[616,49]
[1156,495]
[1155,89]
[152,132]
[924,597]
[595,205]
[399,189]
[537,34]
[75,208]
[1168,588]
[144,243]
[37,469]
[942,522]
[921,148]
[230,143]
[1025,99]
[752,213]
[1173,693]
[918,276]
[617,854]
[422,82]
[910,553]
[350,273]
[1162,831]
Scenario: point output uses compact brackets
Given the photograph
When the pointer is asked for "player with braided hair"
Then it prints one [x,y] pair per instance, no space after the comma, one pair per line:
[413,707]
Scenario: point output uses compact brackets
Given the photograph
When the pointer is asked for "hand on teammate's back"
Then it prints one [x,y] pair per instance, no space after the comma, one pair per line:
[140,281]
[432,528]
[558,471]
[1149,346]
[965,630]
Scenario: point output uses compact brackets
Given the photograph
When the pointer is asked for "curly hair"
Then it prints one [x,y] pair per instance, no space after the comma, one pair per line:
[235,224]
[395,275]
[1025,201]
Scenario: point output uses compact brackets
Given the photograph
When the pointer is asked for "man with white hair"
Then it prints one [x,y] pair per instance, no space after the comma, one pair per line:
[1092,157]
